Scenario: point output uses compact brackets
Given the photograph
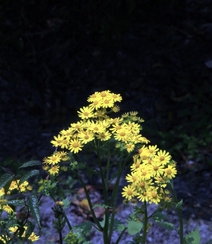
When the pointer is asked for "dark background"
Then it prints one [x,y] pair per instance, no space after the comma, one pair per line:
[156,53]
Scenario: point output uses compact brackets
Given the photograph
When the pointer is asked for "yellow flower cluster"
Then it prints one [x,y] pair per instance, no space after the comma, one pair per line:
[33,237]
[14,185]
[95,124]
[150,172]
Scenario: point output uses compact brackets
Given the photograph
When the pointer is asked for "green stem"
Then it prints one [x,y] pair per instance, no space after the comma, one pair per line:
[89,203]
[64,214]
[120,236]
[145,223]
[105,195]
[178,210]
[113,200]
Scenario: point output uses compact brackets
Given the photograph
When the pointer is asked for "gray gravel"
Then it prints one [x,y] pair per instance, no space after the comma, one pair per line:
[156,234]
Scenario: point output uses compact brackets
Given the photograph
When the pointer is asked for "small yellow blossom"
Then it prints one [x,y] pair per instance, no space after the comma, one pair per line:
[128,192]
[85,112]
[33,237]
[54,170]
[75,146]
[170,172]
[2,192]
[57,140]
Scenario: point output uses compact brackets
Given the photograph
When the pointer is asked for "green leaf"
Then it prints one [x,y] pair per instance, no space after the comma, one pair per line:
[179,205]
[120,227]
[16,202]
[134,227]
[101,205]
[30,228]
[66,203]
[85,227]
[30,164]
[29,175]
[34,208]
[158,216]
[193,237]
[166,225]
[5,178]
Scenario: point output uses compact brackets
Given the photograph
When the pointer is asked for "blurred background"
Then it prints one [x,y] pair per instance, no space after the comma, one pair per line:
[156,53]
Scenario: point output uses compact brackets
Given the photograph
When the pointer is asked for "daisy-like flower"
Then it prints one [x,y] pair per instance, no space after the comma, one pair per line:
[170,171]
[116,97]
[153,196]
[64,143]
[66,133]
[143,196]
[107,103]
[133,177]
[54,170]
[133,127]
[85,113]
[130,147]
[53,159]
[85,136]
[7,209]
[137,163]
[104,136]
[122,135]
[96,127]
[157,169]
[153,150]
[76,127]
[95,104]
[163,156]
[75,146]
[57,140]
[128,192]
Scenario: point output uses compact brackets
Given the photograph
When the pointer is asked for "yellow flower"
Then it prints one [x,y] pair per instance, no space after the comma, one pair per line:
[163,156]
[97,127]
[54,170]
[122,135]
[157,169]
[153,150]
[2,192]
[13,229]
[170,171]
[137,163]
[153,196]
[76,127]
[24,186]
[128,192]
[115,109]
[85,136]
[134,177]
[7,209]
[4,238]
[75,146]
[13,185]
[104,136]
[116,97]
[57,140]
[53,159]
[66,133]
[33,237]
[130,147]
[143,196]
[85,112]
